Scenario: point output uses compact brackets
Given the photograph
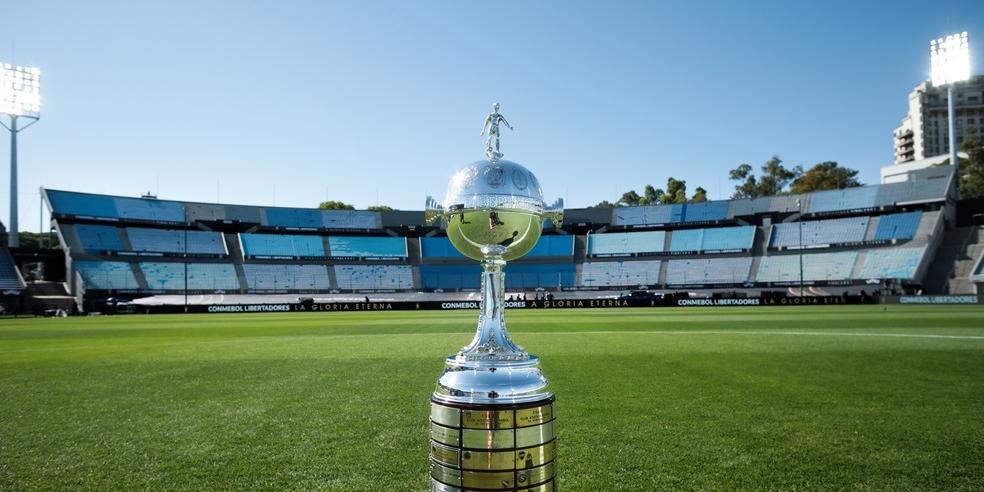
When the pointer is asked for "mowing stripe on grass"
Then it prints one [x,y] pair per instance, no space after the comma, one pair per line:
[596,332]
[792,333]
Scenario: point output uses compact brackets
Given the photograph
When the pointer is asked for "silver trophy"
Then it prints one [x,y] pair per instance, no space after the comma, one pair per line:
[492,418]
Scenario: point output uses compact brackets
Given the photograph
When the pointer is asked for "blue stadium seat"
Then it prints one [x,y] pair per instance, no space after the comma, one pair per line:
[441,247]
[293,217]
[706,211]
[728,238]
[376,277]
[816,267]
[686,240]
[286,277]
[282,245]
[898,226]
[892,263]
[110,275]
[820,232]
[625,243]
[553,246]
[708,271]
[847,199]
[438,247]
[752,206]
[620,273]
[450,276]
[172,241]
[201,276]
[243,213]
[350,219]
[368,247]
[928,190]
[712,239]
[320,219]
[534,275]
[99,238]
[149,209]
[81,204]
[784,203]
[648,215]
[205,211]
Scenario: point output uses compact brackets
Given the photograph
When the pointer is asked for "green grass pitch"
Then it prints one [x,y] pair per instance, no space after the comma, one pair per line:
[854,397]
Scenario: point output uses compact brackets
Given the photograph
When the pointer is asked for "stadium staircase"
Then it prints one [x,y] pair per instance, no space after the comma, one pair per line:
[960,282]
[859,264]
[951,269]
[125,239]
[236,253]
[10,277]
[139,276]
[872,228]
[44,296]
[580,248]
[753,271]
[759,242]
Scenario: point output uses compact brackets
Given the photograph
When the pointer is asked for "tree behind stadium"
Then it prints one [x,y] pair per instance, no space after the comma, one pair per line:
[972,170]
[824,176]
[335,205]
[774,178]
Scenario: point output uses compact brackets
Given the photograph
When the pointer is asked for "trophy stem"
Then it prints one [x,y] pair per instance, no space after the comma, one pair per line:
[492,341]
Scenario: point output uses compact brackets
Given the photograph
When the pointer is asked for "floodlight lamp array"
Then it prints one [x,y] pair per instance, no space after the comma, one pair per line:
[949,58]
[20,91]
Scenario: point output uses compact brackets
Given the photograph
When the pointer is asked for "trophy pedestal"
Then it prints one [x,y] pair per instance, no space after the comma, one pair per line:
[492,446]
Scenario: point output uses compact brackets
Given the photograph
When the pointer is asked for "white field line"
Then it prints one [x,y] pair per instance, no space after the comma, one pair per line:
[692,332]
[445,334]
[790,333]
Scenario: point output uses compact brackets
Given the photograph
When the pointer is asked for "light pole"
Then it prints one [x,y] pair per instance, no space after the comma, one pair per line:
[949,59]
[799,220]
[185,261]
[20,97]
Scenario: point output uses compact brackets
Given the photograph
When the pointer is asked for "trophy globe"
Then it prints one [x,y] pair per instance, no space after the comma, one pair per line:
[492,397]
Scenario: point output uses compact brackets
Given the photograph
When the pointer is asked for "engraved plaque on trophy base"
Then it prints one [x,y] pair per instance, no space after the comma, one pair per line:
[480,447]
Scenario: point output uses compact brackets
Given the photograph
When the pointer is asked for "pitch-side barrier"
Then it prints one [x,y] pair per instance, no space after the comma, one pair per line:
[535,304]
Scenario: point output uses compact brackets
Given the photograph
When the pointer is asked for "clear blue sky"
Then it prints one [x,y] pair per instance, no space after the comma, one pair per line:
[301,101]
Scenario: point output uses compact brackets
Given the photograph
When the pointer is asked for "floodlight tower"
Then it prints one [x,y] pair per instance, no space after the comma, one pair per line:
[20,97]
[949,59]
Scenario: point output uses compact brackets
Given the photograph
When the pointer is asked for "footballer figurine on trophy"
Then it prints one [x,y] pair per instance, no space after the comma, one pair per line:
[492,419]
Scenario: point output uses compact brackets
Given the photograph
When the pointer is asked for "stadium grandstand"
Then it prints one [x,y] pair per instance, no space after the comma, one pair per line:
[836,242]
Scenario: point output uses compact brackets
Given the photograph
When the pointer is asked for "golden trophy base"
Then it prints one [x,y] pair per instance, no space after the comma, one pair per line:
[484,447]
